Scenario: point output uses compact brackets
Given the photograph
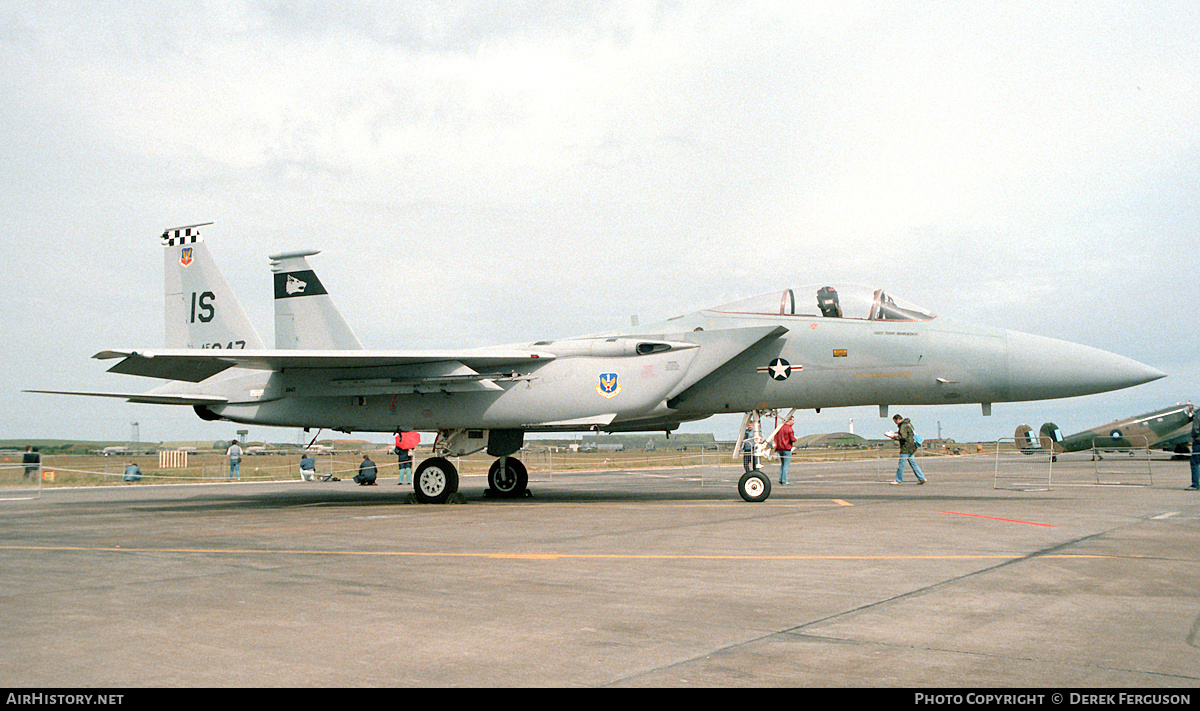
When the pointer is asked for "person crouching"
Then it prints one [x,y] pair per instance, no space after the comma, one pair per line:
[366,472]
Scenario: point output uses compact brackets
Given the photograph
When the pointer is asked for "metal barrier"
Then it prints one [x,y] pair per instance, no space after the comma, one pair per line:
[173,467]
[539,463]
[712,467]
[1031,464]
[1124,465]
[1023,469]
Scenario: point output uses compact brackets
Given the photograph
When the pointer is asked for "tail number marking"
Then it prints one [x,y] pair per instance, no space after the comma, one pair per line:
[206,309]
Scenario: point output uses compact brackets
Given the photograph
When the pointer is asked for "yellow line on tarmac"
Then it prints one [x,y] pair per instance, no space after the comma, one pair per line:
[815,503]
[501,555]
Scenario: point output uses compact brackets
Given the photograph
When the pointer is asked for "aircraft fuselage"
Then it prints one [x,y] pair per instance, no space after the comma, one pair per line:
[1163,428]
[805,362]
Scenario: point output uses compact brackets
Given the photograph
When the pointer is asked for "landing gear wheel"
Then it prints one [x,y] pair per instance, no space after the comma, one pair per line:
[435,480]
[508,478]
[754,486]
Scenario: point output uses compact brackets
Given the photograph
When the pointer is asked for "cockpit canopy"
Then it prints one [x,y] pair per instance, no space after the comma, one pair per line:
[831,301]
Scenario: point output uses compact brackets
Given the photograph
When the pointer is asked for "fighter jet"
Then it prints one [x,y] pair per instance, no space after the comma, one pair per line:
[807,347]
[1168,429]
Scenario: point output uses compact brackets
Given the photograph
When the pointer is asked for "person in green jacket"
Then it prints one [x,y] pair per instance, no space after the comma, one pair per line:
[907,438]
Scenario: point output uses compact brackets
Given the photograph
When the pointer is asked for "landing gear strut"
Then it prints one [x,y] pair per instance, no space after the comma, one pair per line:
[753,445]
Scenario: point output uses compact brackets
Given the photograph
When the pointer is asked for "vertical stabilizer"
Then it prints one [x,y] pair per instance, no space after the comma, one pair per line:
[305,317]
[201,310]
[1050,432]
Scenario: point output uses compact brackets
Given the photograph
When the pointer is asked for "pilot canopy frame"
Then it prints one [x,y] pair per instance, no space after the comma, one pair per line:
[843,301]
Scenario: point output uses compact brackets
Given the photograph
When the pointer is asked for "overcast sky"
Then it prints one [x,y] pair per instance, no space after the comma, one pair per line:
[494,172]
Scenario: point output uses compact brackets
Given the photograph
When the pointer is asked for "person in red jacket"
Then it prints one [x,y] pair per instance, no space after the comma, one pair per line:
[785,439]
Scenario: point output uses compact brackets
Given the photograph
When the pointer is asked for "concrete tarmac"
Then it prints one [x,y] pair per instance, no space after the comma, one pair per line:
[642,578]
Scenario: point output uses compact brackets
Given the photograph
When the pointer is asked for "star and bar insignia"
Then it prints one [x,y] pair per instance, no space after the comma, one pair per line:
[779,369]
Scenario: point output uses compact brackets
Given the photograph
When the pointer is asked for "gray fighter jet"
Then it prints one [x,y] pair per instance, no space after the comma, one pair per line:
[809,347]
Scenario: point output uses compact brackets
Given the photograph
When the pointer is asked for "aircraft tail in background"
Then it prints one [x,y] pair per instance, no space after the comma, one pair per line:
[1049,438]
[1051,433]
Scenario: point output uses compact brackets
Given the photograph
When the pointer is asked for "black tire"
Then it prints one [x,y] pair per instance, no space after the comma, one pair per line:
[754,486]
[508,477]
[435,480]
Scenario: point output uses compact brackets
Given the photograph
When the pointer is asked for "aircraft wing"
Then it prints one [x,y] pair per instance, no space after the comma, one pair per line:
[145,398]
[193,365]
[1183,437]
[720,351]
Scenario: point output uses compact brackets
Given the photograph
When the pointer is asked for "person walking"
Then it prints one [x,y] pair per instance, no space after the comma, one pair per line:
[907,437]
[785,439]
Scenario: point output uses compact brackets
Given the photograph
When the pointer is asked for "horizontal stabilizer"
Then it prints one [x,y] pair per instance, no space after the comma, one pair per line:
[188,365]
[144,398]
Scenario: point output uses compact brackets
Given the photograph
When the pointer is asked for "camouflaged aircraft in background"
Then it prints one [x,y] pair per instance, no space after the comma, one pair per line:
[810,347]
[1169,429]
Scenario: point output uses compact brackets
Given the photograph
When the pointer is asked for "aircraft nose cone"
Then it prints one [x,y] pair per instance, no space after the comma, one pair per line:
[1042,368]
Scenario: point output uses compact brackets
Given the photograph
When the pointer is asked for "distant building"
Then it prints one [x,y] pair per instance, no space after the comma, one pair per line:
[835,439]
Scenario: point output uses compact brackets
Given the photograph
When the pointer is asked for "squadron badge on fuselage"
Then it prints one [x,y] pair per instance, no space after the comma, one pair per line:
[608,386]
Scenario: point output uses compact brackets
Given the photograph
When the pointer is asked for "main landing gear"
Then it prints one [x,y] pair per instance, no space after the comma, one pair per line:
[436,479]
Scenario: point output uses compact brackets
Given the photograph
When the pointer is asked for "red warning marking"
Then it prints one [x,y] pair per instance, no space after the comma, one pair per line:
[1007,520]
